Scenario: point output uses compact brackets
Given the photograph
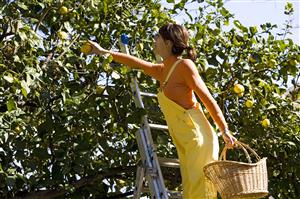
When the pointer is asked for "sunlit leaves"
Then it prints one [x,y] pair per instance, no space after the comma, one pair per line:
[288,9]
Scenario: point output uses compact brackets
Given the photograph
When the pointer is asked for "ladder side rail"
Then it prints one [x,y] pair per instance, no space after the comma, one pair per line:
[156,182]
[140,174]
[151,172]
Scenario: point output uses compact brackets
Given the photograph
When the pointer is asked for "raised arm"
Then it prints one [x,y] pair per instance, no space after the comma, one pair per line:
[154,70]
[195,82]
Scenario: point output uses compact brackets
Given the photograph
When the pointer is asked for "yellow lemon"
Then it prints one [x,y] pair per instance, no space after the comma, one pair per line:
[18,129]
[238,88]
[86,48]
[249,103]
[63,10]
[62,35]
[265,123]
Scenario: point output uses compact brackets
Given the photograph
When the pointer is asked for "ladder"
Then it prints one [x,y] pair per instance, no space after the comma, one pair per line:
[149,169]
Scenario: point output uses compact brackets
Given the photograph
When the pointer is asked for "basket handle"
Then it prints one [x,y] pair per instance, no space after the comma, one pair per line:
[245,147]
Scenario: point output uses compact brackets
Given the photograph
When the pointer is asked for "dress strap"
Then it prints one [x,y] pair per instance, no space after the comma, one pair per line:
[170,72]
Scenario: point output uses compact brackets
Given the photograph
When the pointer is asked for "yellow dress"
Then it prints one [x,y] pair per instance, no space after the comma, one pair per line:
[196,144]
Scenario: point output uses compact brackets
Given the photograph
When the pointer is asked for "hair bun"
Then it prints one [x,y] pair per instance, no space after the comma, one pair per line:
[188,47]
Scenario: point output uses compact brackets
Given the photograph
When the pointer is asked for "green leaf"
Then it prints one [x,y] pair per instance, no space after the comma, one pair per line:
[212,61]
[124,70]
[22,35]
[224,12]
[11,105]
[10,181]
[253,30]
[105,7]
[17,59]
[291,143]
[68,26]
[9,78]
[272,106]
[25,89]
[226,22]
[288,9]
[22,5]
[238,24]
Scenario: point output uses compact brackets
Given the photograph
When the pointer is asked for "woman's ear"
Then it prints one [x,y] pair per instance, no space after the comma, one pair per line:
[169,44]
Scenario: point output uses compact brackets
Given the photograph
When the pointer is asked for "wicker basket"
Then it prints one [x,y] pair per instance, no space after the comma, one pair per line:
[238,180]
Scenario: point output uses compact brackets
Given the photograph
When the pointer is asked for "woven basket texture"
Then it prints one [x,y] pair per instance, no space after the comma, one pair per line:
[239,180]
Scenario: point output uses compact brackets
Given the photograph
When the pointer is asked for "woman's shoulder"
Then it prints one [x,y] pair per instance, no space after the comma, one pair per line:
[187,64]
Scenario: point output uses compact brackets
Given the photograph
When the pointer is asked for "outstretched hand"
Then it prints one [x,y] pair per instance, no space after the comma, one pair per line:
[229,139]
[97,49]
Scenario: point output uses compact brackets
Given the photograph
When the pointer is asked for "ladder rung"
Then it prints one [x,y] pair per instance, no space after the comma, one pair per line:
[148,94]
[168,162]
[174,194]
[158,126]
[171,194]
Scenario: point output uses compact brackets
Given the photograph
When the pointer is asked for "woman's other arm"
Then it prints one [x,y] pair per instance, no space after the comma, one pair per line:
[195,82]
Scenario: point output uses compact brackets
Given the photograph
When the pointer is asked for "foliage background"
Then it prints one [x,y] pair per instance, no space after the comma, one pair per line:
[66,132]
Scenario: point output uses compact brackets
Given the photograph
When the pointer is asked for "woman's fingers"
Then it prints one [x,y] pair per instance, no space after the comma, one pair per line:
[229,140]
[96,48]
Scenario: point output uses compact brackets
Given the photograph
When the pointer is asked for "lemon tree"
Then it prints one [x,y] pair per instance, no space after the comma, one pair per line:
[63,126]
[246,65]
[68,121]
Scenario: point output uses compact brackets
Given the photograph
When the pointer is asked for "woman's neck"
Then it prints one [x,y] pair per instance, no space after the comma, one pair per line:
[169,59]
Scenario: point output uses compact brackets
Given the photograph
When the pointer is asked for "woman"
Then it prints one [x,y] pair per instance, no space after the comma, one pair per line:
[194,138]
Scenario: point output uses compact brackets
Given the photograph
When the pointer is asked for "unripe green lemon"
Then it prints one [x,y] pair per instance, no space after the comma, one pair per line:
[252,59]
[99,89]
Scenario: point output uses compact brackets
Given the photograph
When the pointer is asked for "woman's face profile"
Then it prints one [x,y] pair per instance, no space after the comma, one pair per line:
[158,44]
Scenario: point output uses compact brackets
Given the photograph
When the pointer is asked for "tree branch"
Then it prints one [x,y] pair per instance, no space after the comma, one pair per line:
[48,194]
[64,52]
[123,195]
[42,18]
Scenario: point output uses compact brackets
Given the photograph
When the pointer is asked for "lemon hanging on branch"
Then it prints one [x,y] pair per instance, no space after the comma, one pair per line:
[63,10]
[265,123]
[249,103]
[18,129]
[238,88]
[86,48]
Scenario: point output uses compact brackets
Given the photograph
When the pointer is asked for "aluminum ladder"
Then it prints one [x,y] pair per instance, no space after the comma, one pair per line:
[149,170]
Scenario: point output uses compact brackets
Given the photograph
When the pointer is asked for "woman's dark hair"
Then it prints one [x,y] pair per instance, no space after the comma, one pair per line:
[179,36]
